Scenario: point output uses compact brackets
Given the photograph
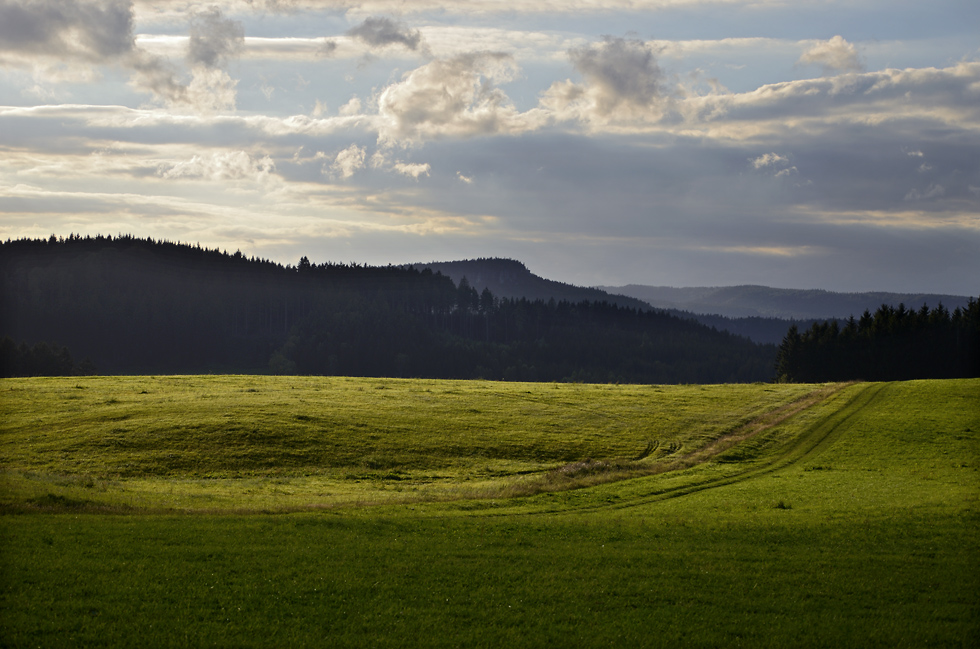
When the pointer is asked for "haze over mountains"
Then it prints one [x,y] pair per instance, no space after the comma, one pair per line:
[763,301]
[760,313]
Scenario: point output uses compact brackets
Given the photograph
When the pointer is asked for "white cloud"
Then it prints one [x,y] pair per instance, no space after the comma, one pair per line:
[229,165]
[211,90]
[319,109]
[349,161]
[352,107]
[412,169]
[452,97]
[835,55]
[769,160]
[949,97]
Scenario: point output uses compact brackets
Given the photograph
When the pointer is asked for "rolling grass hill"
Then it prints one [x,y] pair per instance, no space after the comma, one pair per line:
[761,515]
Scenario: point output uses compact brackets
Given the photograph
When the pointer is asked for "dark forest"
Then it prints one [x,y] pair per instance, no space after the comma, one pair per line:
[137,306]
[893,344]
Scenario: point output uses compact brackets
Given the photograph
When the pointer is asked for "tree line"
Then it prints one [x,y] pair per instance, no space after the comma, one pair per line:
[136,305]
[41,359]
[893,344]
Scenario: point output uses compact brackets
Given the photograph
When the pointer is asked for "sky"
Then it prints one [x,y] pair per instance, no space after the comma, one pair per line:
[798,144]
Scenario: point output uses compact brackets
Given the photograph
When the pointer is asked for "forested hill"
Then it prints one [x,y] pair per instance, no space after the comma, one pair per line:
[791,304]
[138,306]
[512,279]
[508,278]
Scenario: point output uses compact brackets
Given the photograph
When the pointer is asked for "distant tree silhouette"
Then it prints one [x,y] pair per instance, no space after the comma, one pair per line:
[41,359]
[144,306]
[892,344]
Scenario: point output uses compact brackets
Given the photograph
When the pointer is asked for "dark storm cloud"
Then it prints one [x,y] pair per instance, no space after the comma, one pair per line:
[214,40]
[381,32]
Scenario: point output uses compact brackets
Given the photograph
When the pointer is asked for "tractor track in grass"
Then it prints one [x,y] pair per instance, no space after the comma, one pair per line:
[810,443]
[807,445]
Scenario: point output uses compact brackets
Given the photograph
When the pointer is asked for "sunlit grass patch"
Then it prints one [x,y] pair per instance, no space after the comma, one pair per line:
[176,442]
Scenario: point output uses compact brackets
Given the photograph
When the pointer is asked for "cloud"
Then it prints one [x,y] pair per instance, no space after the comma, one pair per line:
[64,38]
[90,31]
[214,40]
[623,71]
[622,81]
[412,169]
[769,160]
[382,32]
[835,55]
[230,165]
[453,97]
[326,47]
[352,107]
[210,90]
[946,98]
[349,161]
[169,8]
[932,191]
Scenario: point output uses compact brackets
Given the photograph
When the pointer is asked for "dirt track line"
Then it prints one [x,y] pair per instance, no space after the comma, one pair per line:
[752,428]
[810,443]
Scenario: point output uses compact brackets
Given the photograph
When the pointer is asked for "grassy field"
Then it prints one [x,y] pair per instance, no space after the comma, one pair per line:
[522,514]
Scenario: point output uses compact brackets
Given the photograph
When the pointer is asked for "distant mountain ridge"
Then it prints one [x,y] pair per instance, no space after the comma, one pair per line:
[760,313]
[762,301]
[509,278]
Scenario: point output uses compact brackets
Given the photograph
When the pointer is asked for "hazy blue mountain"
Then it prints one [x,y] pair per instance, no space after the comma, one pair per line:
[755,328]
[760,313]
[765,302]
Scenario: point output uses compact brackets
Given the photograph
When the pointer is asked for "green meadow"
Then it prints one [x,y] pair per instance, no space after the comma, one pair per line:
[299,511]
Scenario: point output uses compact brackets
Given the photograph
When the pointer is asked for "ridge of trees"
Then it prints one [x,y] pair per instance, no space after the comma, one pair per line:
[509,278]
[893,344]
[137,305]
[41,359]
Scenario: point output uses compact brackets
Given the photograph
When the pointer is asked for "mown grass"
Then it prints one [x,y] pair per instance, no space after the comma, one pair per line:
[854,523]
